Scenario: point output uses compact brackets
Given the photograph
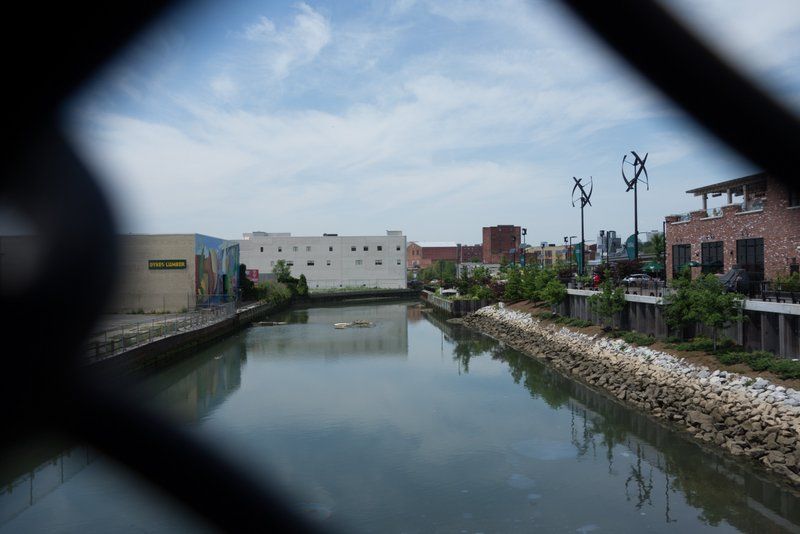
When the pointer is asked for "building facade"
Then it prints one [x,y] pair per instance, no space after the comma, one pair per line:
[330,261]
[175,272]
[422,254]
[550,255]
[499,241]
[758,228]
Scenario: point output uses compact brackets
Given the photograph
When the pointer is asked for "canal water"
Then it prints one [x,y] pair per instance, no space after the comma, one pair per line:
[412,425]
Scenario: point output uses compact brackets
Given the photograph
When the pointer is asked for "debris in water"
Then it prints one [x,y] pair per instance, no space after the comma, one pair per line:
[358,323]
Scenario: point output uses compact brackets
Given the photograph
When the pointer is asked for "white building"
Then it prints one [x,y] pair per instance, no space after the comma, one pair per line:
[330,261]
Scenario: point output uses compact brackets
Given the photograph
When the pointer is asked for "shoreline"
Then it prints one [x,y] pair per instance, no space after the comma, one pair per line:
[741,416]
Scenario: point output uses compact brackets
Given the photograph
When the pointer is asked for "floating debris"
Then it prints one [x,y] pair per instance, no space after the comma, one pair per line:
[269,323]
[358,323]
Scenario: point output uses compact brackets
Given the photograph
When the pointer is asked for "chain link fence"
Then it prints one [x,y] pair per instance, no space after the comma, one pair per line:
[120,338]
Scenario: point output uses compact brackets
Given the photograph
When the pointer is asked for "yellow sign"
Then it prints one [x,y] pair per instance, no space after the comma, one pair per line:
[166,264]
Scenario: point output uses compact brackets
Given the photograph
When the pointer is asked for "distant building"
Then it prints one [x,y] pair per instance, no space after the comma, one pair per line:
[758,229]
[421,254]
[550,255]
[330,261]
[500,241]
[175,272]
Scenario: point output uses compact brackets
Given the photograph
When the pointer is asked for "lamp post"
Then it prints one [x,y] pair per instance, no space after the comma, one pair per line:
[513,250]
[544,244]
[569,249]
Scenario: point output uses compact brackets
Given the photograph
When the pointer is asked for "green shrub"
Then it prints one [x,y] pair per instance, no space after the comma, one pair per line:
[732,358]
[638,339]
[547,316]
[580,323]
[785,368]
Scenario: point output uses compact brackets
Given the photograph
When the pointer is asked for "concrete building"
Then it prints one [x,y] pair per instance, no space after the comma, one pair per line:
[499,241]
[330,261]
[175,272]
[421,254]
[550,254]
[758,228]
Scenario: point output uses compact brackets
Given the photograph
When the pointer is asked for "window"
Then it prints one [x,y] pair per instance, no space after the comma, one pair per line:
[290,263]
[366,248]
[328,263]
[262,249]
[310,263]
[294,249]
[380,247]
[280,249]
[681,255]
[272,263]
[378,262]
[308,249]
[353,248]
[711,257]
[330,249]
[398,248]
[359,262]
[398,262]
[750,257]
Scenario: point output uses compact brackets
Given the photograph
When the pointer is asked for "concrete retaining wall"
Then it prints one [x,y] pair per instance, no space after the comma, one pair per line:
[456,308]
[772,326]
[166,351]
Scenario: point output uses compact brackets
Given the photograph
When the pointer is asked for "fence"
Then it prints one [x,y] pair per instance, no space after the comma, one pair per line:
[120,338]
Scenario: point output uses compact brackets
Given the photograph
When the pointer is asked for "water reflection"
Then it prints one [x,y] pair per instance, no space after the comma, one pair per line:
[388,335]
[194,388]
[422,428]
[21,491]
[725,490]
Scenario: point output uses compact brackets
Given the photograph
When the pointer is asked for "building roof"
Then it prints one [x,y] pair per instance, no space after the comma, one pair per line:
[723,187]
[436,244]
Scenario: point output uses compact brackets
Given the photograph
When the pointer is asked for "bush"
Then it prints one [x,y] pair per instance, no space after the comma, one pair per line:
[273,292]
[547,316]
[638,339]
[732,358]
[785,368]
[761,360]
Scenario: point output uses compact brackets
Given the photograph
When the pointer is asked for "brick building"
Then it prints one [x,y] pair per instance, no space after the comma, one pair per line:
[498,241]
[758,229]
[421,254]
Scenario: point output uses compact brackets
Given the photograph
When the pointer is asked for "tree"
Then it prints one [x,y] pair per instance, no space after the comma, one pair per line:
[554,293]
[245,284]
[658,246]
[702,301]
[282,271]
[513,290]
[302,286]
[608,301]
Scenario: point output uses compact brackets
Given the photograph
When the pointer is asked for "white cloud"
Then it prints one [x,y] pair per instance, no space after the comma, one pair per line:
[297,44]
[384,132]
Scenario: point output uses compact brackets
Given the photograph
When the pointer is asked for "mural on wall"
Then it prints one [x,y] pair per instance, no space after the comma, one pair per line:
[216,267]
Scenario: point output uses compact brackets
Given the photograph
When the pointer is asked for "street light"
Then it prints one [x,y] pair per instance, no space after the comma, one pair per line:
[544,244]
[569,249]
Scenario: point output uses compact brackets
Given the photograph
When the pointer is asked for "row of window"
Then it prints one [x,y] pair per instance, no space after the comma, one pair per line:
[312,263]
[330,248]
[749,255]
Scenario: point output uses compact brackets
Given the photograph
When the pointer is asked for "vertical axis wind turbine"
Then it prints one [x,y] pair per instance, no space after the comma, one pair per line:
[583,198]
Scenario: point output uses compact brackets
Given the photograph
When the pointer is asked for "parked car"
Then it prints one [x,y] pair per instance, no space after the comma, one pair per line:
[634,278]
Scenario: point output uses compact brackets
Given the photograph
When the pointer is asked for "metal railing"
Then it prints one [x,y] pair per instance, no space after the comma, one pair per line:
[120,338]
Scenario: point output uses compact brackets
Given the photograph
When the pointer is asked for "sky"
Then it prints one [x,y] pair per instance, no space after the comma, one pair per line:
[431,117]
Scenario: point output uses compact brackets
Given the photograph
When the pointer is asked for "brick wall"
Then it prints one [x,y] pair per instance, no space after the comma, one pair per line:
[777,223]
